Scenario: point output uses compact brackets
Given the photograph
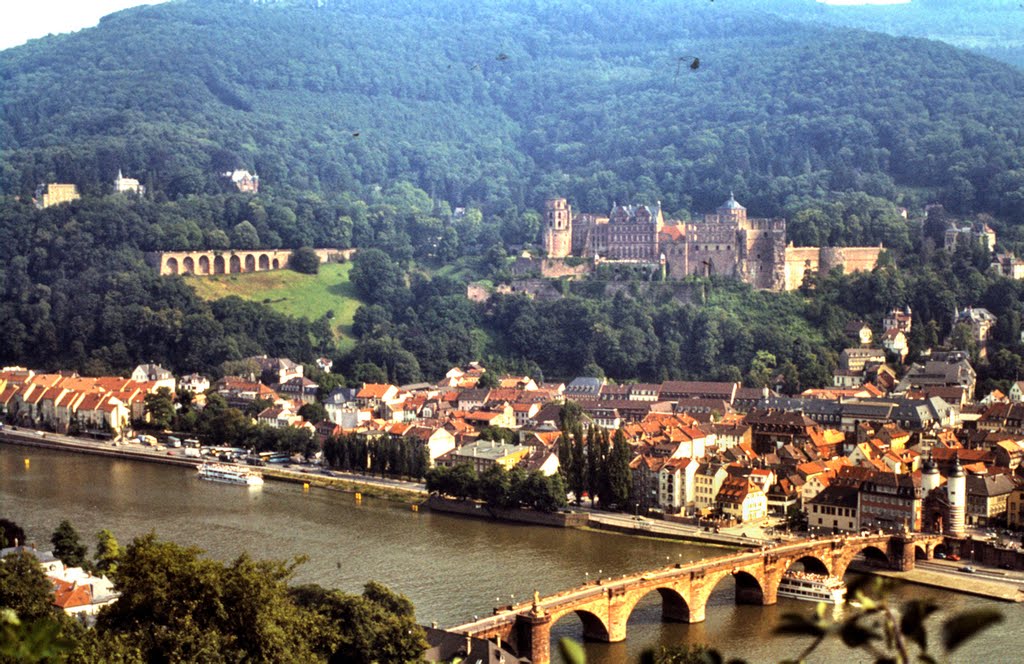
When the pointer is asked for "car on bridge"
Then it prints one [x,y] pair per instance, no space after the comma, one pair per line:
[969,569]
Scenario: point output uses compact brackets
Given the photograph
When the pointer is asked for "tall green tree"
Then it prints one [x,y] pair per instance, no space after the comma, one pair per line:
[618,477]
[108,551]
[67,546]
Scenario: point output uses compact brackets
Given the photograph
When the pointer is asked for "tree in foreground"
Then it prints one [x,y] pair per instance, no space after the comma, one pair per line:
[377,626]
[67,546]
[177,606]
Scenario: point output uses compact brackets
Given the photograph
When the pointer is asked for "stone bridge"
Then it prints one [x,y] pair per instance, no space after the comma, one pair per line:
[604,606]
[233,261]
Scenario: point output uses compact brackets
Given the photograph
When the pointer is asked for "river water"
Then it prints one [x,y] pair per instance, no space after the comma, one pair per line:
[452,568]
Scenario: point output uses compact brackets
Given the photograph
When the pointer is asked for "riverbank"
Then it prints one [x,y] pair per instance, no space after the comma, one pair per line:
[1002,591]
[393,490]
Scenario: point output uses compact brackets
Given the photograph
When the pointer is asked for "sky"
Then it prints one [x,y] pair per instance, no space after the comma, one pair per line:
[22,20]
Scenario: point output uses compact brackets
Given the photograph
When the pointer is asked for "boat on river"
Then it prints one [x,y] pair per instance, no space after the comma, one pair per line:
[813,587]
[220,472]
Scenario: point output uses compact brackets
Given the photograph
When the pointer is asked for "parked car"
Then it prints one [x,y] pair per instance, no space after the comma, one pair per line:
[953,557]
[1006,566]
[968,568]
[940,555]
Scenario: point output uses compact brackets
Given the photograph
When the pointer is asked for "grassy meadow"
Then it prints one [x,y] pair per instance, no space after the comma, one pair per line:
[301,295]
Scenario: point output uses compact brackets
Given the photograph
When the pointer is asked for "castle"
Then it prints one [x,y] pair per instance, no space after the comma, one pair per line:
[725,242]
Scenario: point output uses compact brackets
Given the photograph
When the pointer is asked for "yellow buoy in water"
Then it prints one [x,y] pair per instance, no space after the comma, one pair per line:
[305,486]
[28,462]
[415,508]
[359,497]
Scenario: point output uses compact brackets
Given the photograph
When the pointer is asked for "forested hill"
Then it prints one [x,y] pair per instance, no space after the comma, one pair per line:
[499,103]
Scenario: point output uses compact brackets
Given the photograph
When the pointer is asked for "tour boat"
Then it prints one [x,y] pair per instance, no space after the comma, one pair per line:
[219,472]
[813,587]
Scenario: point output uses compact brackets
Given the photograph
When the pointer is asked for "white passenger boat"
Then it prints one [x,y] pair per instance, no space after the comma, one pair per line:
[813,587]
[219,472]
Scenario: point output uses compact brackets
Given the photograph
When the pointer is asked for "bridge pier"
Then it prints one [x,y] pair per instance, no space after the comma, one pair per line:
[534,637]
[696,614]
[902,555]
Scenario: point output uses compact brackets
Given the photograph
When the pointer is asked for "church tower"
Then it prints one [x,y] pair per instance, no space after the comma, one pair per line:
[557,227]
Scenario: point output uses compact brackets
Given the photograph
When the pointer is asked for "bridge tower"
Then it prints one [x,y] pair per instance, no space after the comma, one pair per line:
[956,486]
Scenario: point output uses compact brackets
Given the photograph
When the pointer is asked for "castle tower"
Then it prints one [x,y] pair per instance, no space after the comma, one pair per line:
[732,210]
[557,227]
[956,487]
[929,476]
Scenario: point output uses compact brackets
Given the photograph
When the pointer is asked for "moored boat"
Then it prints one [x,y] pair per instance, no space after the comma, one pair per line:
[813,587]
[219,472]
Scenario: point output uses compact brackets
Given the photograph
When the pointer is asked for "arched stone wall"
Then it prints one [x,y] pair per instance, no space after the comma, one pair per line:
[233,262]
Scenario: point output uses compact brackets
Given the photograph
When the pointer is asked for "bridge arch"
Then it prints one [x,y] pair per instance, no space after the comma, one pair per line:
[218,265]
[235,263]
[264,262]
[874,552]
[277,264]
[595,628]
[188,266]
[674,607]
[172,265]
[250,263]
[204,265]
[809,563]
[748,584]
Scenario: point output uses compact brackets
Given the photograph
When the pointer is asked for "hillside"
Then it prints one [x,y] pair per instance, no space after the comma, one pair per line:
[498,103]
[300,295]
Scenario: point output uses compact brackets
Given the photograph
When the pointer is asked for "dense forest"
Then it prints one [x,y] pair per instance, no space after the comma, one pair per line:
[428,135]
[495,104]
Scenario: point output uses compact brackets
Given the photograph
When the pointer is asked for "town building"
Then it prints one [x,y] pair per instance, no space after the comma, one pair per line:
[977,233]
[742,500]
[244,181]
[835,509]
[123,185]
[53,193]
[154,373]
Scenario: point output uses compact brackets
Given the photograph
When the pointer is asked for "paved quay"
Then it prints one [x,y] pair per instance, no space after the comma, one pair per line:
[982,583]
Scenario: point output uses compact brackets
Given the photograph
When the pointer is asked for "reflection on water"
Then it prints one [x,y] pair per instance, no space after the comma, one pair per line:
[451,568]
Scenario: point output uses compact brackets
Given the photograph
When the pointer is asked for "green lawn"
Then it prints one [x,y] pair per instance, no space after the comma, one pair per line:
[302,295]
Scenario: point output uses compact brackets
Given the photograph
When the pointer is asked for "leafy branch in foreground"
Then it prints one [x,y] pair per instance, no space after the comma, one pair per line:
[882,630]
[870,623]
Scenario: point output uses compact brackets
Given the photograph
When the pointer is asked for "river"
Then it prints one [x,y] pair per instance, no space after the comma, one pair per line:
[452,568]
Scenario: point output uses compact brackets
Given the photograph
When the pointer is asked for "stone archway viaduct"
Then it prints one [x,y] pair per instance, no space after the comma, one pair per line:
[604,606]
[233,261]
